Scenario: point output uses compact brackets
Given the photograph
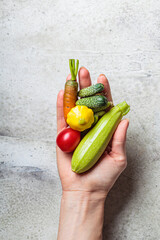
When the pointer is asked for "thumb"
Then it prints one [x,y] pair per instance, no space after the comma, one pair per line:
[60,118]
[119,137]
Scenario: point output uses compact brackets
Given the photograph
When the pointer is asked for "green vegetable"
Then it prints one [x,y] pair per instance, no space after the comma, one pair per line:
[95,120]
[96,140]
[98,109]
[100,114]
[93,102]
[97,116]
[90,91]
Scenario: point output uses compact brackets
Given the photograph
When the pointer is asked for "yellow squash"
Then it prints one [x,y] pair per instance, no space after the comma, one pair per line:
[80,118]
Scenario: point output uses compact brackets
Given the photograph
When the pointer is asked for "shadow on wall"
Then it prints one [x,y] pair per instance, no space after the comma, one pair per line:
[123,191]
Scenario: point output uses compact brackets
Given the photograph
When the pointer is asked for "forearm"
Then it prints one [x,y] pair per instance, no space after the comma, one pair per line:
[81,216]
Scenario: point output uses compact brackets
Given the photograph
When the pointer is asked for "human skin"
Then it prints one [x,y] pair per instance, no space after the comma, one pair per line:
[83,195]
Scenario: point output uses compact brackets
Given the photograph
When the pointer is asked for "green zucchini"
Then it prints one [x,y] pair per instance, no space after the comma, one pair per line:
[93,102]
[96,140]
[90,91]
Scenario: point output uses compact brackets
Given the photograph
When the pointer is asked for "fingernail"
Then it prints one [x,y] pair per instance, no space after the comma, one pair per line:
[128,121]
[102,75]
[81,67]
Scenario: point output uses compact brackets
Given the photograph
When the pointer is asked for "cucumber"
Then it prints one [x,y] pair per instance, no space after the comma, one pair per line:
[95,120]
[96,140]
[90,91]
[92,102]
[99,109]
[99,114]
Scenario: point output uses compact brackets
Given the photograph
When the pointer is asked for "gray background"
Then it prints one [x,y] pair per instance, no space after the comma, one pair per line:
[118,38]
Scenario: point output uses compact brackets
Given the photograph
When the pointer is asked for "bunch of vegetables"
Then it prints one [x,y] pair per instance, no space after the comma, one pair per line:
[91,126]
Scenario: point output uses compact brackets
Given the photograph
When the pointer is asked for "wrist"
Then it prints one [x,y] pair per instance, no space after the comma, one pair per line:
[84,196]
[77,218]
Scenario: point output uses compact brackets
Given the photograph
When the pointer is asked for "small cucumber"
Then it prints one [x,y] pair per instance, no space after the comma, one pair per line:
[98,109]
[90,91]
[93,102]
[95,120]
[96,140]
[99,114]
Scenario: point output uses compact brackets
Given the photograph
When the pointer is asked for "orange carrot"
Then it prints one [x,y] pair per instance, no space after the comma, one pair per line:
[71,88]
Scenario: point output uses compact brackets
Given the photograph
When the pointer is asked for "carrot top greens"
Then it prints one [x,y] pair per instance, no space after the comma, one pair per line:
[73,69]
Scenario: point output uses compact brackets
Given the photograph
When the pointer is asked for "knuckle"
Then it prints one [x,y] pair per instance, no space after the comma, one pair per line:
[122,162]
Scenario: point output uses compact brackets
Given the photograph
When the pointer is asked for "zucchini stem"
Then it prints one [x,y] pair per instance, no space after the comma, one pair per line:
[72,68]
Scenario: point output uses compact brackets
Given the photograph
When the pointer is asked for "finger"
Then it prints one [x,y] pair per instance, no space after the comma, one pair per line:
[84,78]
[119,138]
[107,91]
[60,118]
[68,77]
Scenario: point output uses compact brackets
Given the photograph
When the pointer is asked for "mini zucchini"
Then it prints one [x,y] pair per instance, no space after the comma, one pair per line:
[96,140]
[93,102]
[90,91]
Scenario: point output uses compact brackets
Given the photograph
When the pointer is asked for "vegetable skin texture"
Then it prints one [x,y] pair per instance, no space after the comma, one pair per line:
[92,90]
[68,139]
[71,88]
[80,118]
[100,114]
[95,120]
[96,140]
[99,109]
[97,116]
[92,102]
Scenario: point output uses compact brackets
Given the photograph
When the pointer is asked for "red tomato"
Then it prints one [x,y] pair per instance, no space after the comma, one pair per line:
[68,139]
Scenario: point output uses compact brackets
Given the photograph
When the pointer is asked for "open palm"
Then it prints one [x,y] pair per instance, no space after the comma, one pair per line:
[113,161]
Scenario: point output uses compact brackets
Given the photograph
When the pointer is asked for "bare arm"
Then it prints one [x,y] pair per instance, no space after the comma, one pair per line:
[82,204]
[81,216]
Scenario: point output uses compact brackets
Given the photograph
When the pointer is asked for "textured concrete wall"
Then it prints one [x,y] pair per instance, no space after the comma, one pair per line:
[118,38]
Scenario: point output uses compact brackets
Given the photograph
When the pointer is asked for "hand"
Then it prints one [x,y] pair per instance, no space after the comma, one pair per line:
[103,175]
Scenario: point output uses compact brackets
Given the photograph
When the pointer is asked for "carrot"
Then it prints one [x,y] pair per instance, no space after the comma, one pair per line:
[71,88]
